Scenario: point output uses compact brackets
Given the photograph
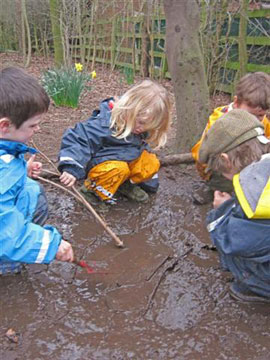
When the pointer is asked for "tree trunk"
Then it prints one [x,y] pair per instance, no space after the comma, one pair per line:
[186,67]
[56,31]
[25,24]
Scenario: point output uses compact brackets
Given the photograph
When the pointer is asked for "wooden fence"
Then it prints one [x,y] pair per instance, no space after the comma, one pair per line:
[138,42]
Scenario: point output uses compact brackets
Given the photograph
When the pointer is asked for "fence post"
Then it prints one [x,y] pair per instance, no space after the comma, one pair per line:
[242,38]
[145,45]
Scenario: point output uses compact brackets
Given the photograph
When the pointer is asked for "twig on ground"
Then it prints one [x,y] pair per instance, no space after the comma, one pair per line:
[149,277]
[169,267]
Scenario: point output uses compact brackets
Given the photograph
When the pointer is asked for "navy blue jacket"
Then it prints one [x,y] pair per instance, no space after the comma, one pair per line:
[91,142]
[244,243]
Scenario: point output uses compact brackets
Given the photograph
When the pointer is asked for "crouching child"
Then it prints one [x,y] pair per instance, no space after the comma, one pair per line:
[23,205]
[111,150]
[239,225]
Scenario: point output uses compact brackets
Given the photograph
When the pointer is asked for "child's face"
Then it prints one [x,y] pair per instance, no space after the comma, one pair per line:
[140,126]
[256,111]
[231,171]
[25,132]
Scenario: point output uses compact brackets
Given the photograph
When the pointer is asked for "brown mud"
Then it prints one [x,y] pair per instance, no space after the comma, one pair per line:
[163,296]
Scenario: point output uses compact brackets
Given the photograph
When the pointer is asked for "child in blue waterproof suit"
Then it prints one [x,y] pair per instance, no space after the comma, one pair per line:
[23,206]
[239,226]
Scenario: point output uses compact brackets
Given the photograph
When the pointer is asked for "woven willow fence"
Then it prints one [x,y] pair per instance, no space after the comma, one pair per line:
[138,43]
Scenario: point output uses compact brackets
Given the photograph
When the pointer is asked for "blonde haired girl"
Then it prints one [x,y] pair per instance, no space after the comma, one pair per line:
[112,148]
[145,107]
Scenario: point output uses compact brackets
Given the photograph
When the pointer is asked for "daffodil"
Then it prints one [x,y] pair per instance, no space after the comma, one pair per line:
[78,67]
[93,74]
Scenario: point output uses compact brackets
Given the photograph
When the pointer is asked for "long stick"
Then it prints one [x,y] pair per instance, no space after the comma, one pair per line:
[119,242]
[175,159]
[79,197]
[75,193]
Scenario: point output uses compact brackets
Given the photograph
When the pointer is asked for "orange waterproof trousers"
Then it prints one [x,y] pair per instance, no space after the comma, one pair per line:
[105,178]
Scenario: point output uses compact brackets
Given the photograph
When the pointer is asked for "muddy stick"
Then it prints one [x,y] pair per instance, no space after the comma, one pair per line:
[75,193]
[169,267]
[118,242]
[175,159]
[149,277]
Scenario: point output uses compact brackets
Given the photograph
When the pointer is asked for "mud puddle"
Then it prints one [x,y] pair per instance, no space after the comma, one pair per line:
[161,297]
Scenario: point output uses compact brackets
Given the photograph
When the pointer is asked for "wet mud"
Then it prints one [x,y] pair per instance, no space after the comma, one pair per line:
[163,296]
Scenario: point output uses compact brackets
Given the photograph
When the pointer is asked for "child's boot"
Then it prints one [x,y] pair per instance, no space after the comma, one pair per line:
[89,195]
[240,292]
[133,192]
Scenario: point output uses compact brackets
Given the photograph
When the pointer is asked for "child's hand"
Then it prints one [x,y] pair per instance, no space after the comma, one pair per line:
[33,167]
[65,252]
[67,179]
[220,198]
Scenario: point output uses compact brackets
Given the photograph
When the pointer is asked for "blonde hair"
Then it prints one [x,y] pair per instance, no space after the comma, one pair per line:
[147,100]
[240,157]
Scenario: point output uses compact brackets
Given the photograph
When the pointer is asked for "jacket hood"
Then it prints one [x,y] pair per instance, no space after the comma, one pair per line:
[252,188]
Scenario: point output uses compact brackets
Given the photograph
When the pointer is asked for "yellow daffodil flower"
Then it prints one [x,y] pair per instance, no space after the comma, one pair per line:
[78,67]
[93,74]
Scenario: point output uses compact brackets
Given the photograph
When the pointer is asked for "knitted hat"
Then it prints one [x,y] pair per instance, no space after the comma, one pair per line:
[229,131]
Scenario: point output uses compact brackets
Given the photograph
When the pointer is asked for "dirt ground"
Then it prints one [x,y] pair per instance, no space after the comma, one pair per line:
[163,296]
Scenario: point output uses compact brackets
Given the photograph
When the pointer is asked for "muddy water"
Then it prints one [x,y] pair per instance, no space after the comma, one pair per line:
[161,297]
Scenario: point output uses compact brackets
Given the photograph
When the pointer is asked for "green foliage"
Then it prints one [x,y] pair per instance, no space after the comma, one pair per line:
[128,74]
[65,85]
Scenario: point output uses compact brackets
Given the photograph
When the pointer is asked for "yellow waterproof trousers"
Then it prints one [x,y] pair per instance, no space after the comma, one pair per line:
[105,178]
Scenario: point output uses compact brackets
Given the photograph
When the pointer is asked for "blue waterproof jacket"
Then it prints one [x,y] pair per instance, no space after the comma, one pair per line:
[242,240]
[91,142]
[20,239]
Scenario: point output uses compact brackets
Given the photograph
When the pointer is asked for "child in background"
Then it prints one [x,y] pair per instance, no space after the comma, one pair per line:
[239,225]
[253,95]
[23,206]
[111,149]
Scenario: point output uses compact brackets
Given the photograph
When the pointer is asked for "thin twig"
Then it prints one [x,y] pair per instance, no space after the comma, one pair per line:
[169,267]
[45,157]
[46,171]
[59,186]
[149,277]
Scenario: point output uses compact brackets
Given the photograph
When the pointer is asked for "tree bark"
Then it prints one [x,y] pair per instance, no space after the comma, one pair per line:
[25,24]
[56,31]
[186,66]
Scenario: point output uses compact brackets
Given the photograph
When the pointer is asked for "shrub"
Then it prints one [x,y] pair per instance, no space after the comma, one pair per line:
[65,85]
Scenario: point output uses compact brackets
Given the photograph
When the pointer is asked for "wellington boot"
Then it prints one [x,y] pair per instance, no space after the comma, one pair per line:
[133,192]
